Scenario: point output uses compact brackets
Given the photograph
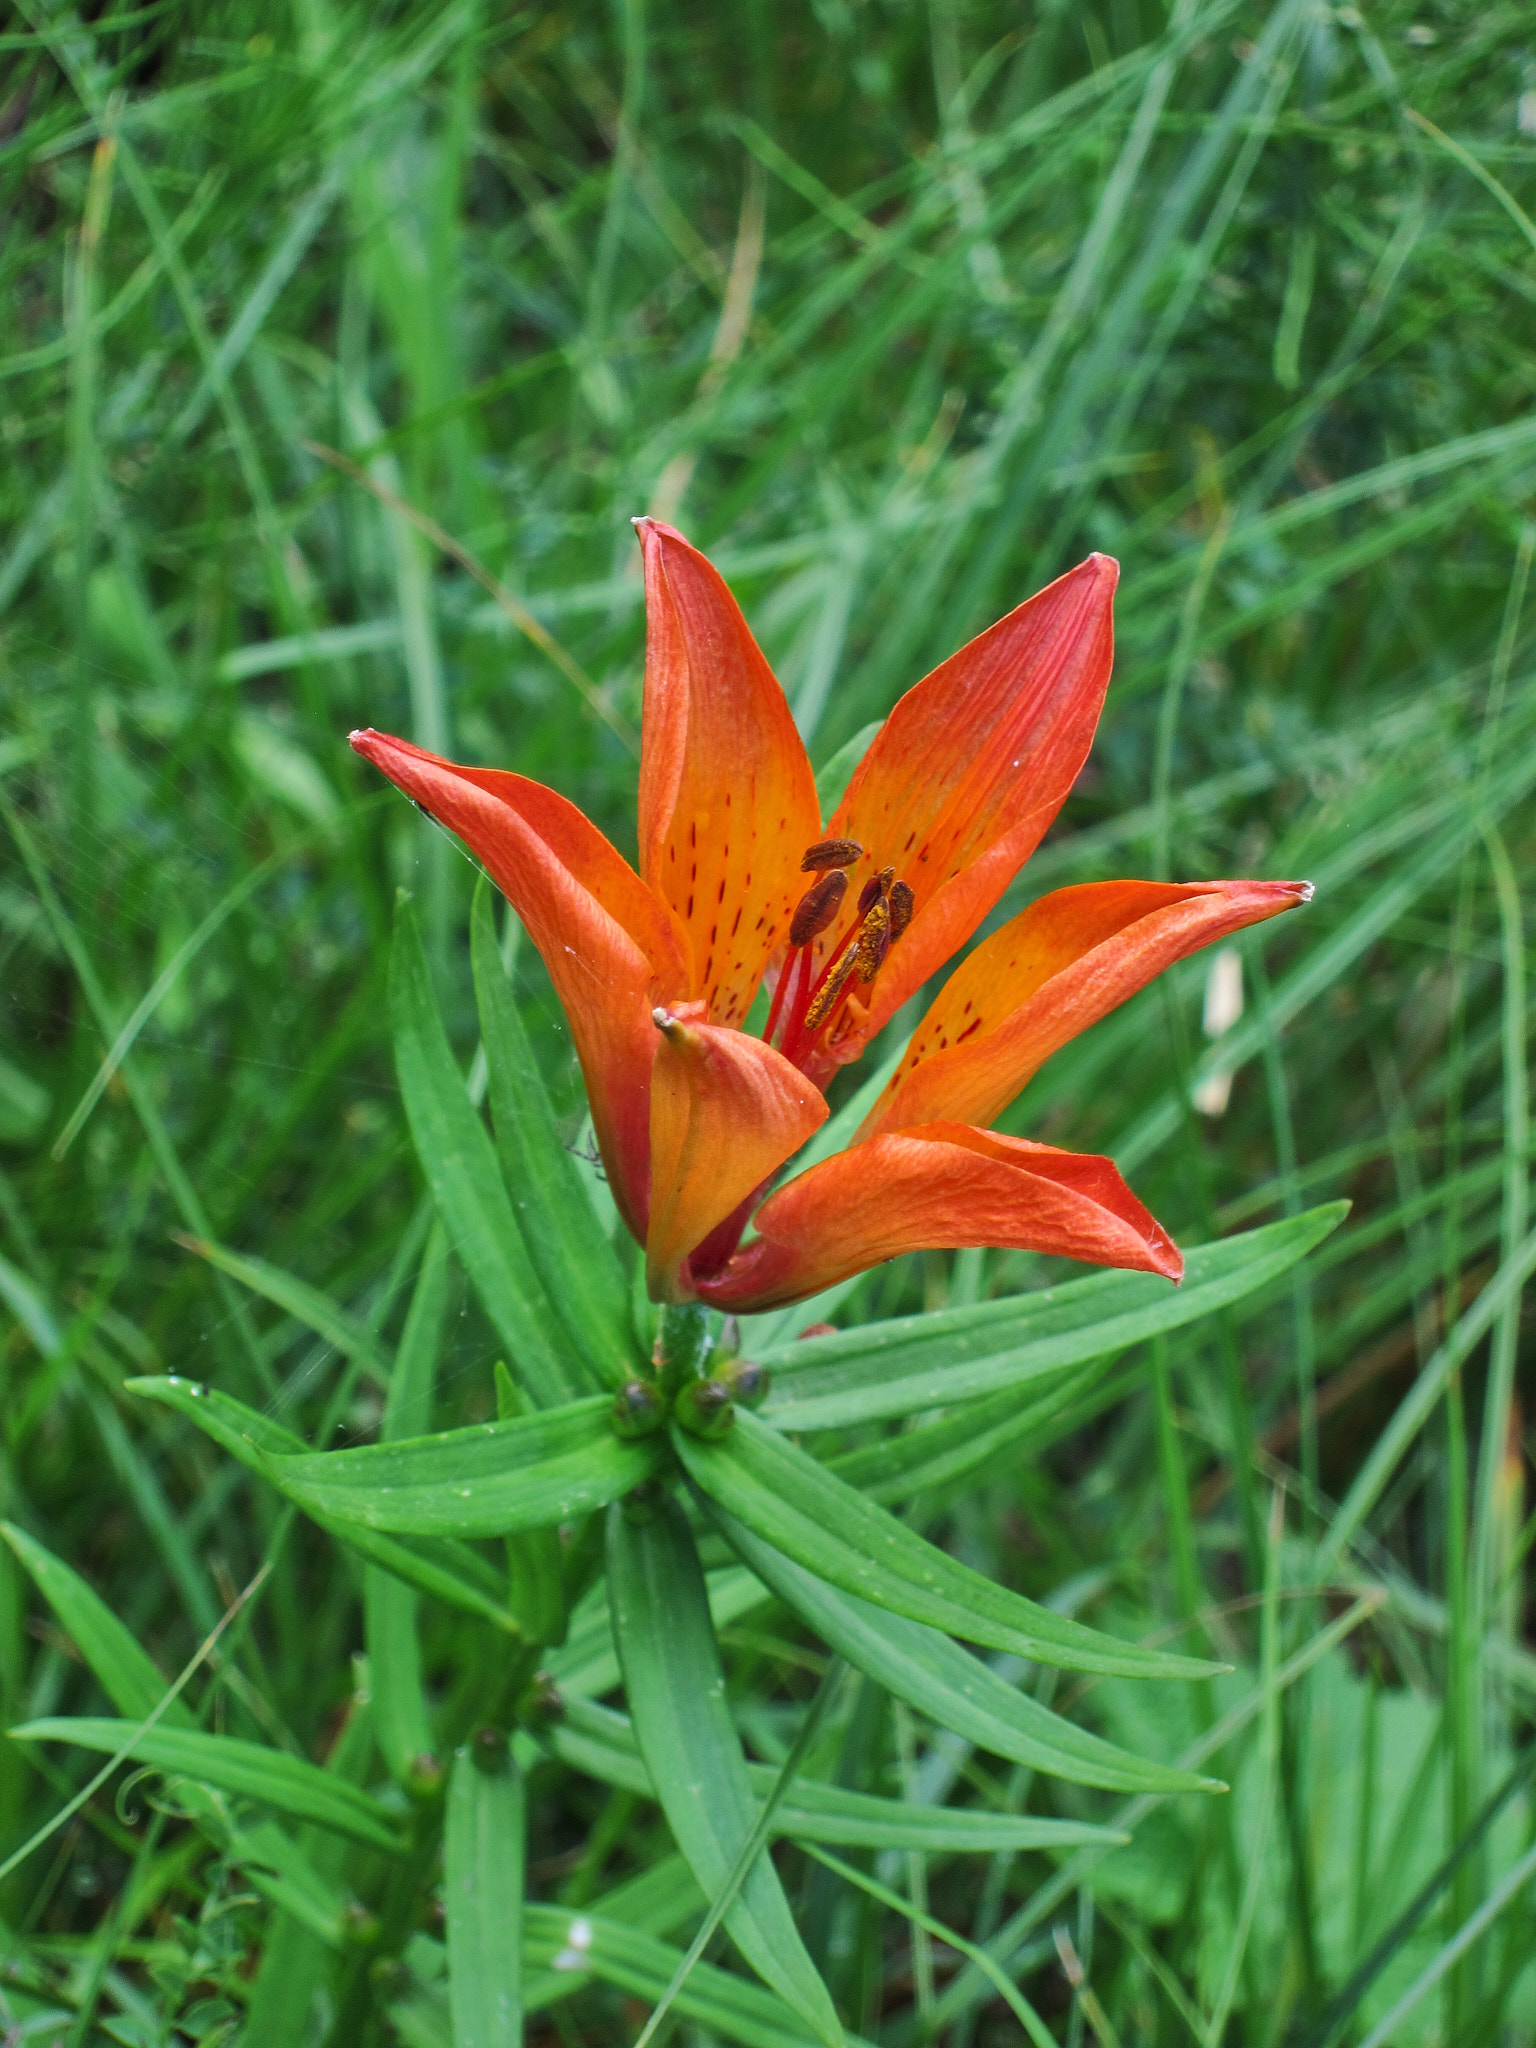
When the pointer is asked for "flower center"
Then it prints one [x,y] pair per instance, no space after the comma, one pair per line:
[804,1001]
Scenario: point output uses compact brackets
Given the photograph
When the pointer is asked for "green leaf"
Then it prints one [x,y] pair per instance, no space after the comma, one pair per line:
[586,1665]
[602,1743]
[556,1938]
[306,1304]
[249,1770]
[126,1672]
[402,1722]
[917,1362]
[483,1896]
[413,1383]
[400,1716]
[279,1869]
[580,1274]
[940,1452]
[676,1692]
[482,1481]
[136,1686]
[784,1496]
[450,1571]
[460,1165]
[950,1686]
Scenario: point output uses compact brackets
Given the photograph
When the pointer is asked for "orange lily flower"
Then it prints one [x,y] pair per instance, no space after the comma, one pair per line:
[742,886]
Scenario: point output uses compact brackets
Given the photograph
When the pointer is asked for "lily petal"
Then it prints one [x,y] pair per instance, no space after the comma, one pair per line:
[727,796]
[933,1186]
[609,946]
[967,773]
[1048,974]
[726,1111]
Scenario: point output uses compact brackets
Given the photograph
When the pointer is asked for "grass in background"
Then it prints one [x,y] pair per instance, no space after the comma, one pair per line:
[898,311]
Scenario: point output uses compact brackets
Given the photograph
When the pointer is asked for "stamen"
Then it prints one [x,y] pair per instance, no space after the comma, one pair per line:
[823,1002]
[902,906]
[874,941]
[817,907]
[830,853]
[796,969]
[875,887]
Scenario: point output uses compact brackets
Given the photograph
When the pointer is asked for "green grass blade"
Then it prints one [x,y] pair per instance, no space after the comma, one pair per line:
[587,1294]
[958,1691]
[643,1966]
[125,1671]
[460,1165]
[602,1743]
[877,1370]
[249,1770]
[483,1842]
[676,1693]
[784,1497]
[448,1570]
[307,1305]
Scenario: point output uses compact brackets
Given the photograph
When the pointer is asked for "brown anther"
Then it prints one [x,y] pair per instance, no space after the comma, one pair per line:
[876,887]
[830,853]
[902,906]
[824,1001]
[874,940]
[817,907]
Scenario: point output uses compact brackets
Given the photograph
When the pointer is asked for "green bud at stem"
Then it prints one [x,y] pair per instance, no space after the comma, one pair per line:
[704,1408]
[638,1410]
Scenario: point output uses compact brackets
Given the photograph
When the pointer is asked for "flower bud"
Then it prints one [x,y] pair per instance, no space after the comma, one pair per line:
[488,1747]
[704,1408]
[745,1380]
[424,1780]
[638,1410]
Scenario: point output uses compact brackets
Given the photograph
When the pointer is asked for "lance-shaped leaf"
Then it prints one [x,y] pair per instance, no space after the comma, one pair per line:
[449,1570]
[951,1686]
[249,1770]
[401,1717]
[483,1843]
[912,1363]
[125,1671]
[576,1265]
[945,1450]
[276,1866]
[587,1943]
[307,1305]
[602,1743]
[676,1692]
[460,1165]
[586,1665]
[487,1480]
[782,1495]
[136,1686]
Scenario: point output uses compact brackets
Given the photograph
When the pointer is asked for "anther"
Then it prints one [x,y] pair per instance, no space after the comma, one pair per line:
[902,906]
[817,907]
[830,853]
[824,1001]
[876,887]
[874,940]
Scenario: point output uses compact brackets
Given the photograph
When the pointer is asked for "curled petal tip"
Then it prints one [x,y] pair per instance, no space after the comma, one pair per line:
[1304,892]
[647,528]
[1105,566]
